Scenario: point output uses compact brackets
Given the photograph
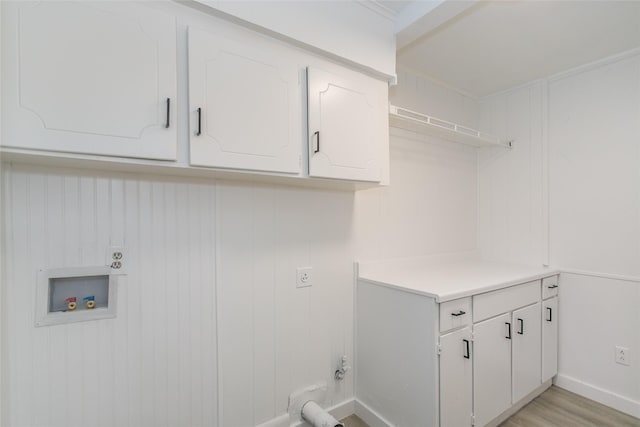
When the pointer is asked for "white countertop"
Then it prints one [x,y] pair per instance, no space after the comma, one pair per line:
[448,279]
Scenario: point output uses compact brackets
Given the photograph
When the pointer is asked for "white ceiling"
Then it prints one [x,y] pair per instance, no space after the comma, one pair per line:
[495,45]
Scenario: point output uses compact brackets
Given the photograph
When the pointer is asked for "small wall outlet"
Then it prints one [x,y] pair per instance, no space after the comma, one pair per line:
[304,277]
[622,355]
[116,260]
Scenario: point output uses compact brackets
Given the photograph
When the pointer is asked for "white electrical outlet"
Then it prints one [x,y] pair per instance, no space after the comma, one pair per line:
[304,277]
[117,260]
[622,355]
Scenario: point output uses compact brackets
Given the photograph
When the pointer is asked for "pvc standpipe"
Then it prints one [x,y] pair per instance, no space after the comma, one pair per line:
[318,417]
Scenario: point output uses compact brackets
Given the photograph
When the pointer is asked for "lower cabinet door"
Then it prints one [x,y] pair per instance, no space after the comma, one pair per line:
[526,350]
[492,368]
[456,379]
[549,338]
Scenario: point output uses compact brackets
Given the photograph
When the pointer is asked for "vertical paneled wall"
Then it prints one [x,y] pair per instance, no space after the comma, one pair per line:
[276,338]
[569,194]
[153,365]
[431,205]
[594,219]
[421,94]
[594,164]
[197,254]
[510,181]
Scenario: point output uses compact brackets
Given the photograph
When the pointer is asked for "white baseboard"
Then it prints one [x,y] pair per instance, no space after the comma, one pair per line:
[344,409]
[281,421]
[369,416]
[606,397]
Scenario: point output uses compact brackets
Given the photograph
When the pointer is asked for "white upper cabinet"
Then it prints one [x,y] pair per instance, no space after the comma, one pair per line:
[89,77]
[245,103]
[348,126]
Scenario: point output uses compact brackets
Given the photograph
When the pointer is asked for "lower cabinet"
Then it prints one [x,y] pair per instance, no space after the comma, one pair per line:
[491,368]
[456,405]
[549,338]
[525,351]
[470,359]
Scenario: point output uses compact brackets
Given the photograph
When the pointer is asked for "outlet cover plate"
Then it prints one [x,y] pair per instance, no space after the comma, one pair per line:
[304,277]
[622,355]
[116,259]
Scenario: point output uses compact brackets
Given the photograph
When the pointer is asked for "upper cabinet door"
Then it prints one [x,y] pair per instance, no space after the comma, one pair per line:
[348,126]
[89,77]
[245,103]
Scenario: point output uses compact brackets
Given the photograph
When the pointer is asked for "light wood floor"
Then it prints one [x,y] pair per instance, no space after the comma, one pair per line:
[561,408]
[555,408]
[353,421]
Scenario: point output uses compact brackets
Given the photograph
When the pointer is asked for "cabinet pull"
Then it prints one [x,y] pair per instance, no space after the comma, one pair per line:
[168,113]
[459,313]
[508,330]
[521,331]
[467,354]
[552,286]
[199,131]
[317,135]
[550,314]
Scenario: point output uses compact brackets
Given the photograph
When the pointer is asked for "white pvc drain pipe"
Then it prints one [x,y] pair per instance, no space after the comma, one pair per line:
[318,417]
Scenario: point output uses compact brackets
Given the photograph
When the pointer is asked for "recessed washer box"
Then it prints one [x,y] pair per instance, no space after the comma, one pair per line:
[92,289]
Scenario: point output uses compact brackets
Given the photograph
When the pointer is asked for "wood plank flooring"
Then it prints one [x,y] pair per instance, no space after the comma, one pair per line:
[555,408]
[353,421]
[561,408]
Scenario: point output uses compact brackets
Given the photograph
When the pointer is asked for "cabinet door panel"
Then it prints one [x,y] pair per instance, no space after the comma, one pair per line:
[456,379]
[549,338]
[491,368]
[90,77]
[250,100]
[348,124]
[526,351]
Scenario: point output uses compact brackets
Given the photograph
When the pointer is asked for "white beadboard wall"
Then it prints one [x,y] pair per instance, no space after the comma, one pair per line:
[569,194]
[510,182]
[276,338]
[154,365]
[431,205]
[594,164]
[424,95]
[157,363]
[594,219]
